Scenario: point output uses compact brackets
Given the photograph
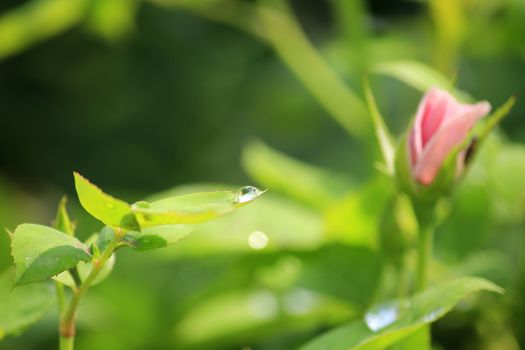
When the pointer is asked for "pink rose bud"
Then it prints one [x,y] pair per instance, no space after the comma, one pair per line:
[442,124]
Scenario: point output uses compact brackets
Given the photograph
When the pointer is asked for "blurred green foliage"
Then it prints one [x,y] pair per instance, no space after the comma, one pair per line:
[145,95]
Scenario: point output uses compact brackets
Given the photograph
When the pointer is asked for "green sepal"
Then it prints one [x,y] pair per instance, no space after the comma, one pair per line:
[62,221]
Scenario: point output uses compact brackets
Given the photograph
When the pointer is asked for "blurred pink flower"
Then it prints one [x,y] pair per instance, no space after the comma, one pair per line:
[442,123]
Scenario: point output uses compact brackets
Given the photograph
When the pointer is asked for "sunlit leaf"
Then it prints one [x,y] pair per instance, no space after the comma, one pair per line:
[192,208]
[22,306]
[306,183]
[388,323]
[111,211]
[40,252]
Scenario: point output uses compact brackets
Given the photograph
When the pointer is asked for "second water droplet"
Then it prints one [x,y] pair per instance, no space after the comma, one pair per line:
[381,316]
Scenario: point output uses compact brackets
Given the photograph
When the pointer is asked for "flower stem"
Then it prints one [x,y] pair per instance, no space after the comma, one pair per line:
[61,297]
[424,255]
[67,343]
[68,316]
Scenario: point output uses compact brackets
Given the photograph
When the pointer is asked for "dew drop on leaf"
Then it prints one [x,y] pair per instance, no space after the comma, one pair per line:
[381,316]
[247,194]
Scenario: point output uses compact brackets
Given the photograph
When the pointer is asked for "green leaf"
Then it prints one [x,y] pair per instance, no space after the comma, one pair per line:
[62,221]
[331,270]
[309,184]
[40,252]
[256,313]
[84,268]
[22,306]
[388,323]
[495,118]
[419,76]
[192,208]
[157,237]
[381,130]
[419,340]
[111,211]
[361,208]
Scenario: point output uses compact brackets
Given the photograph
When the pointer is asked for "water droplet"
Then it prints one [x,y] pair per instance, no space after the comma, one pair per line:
[28,260]
[257,240]
[140,205]
[109,205]
[299,301]
[247,194]
[381,316]
[433,315]
[263,304]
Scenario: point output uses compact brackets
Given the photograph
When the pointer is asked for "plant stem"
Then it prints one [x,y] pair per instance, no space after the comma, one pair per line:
[67,319]
[424,256]
[67,343]
[61,297]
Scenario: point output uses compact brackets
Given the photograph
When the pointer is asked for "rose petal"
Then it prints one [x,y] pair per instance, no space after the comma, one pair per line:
[434,113]
[431,113]
[450,135]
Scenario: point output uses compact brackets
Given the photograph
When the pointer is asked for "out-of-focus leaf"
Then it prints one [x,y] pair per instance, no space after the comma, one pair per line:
[157,237]
[37,20]
[388,323]
[111,211]
[506,186]
[257,313]
[284,33]
[384,139]
[112,19]
[351,274]
[22,306]
[398,229]
[354,219]
[450,23]
[40,252]
[467,225]
[84,268]
[192,208]
[306,183]
[419,76]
